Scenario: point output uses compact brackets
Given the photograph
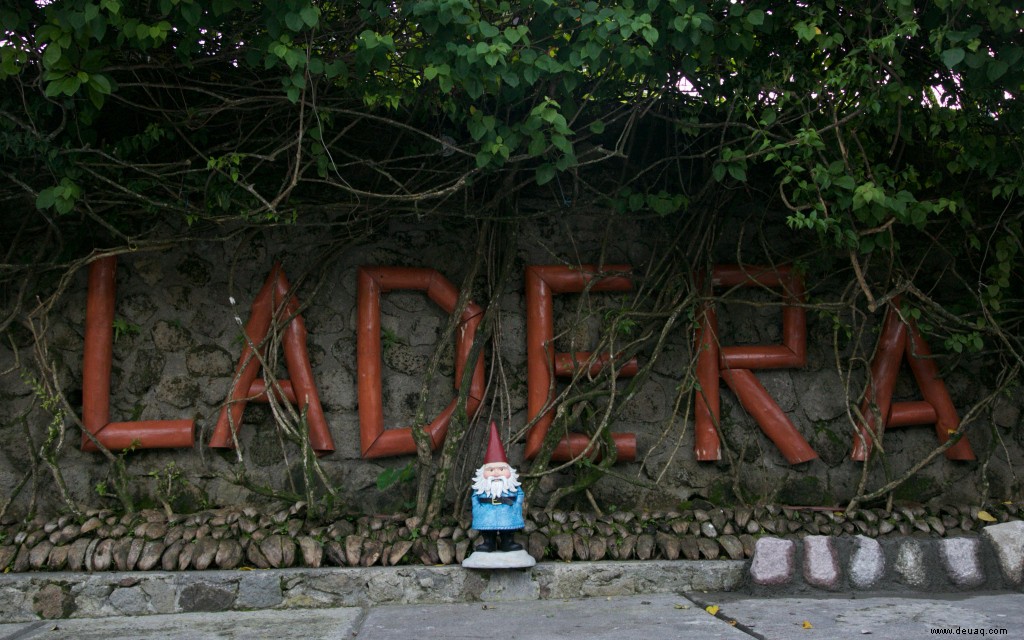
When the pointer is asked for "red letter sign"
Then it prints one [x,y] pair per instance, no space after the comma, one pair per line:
[734,364]
[375,440]
[98,356]
[898,339]
[274,300]
[541,285]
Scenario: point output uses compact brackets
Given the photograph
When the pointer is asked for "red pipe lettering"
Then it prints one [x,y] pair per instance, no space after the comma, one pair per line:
[375,440]
[901,340]
[97,362]
[274,298]
[734,365]
[542,282]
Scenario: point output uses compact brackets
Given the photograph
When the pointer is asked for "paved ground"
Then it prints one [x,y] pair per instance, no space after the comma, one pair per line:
[650,617]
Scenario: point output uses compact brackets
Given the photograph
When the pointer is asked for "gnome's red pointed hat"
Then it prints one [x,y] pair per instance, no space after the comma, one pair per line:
[495,450]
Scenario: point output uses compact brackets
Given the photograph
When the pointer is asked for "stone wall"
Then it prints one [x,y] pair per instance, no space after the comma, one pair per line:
[178,340]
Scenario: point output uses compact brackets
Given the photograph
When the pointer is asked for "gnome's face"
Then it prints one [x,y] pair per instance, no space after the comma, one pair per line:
[495,479]
[497,470]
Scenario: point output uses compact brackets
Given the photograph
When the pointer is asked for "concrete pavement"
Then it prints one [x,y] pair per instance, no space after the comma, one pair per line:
[646,617]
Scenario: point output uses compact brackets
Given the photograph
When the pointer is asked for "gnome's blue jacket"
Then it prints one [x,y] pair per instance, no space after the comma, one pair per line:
[498,514]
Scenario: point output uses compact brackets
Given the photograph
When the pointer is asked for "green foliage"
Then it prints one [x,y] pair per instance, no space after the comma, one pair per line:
[877,127]
[62,197]
[169,488]
[396,475]
[123,328]
[389,339]
[619,322]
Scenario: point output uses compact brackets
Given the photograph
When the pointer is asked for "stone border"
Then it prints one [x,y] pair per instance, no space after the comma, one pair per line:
[995,560]
[283,537]
[31,596]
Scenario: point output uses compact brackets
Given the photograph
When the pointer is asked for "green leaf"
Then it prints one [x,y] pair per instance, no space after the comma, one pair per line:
[718,173]
[806,31]
[545,174]
[294,21]
[63,205]
[192,13]
[867,193]
[636,201]
[310,15]
[52,55]
[336,69]
[96,98]
[537,144]
[488,30]
[662,203]
[561,143]
[597,127]
[46,198]
[54,88]
[100,83]
[70,86]
[996,69]
[369,38]
[952,57]
[846,182]
[756,17]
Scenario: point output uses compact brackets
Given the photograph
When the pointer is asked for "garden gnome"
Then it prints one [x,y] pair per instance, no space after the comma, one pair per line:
[497,511]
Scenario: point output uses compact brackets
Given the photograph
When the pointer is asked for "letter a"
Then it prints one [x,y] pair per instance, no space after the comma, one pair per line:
[274,302]
[878,411]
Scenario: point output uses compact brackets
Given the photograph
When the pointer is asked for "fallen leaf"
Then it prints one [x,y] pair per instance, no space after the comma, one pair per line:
[732,622]
[986,516]
[807,624]
[712,609]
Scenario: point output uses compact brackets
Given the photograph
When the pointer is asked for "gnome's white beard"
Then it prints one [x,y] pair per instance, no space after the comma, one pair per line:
[495,487]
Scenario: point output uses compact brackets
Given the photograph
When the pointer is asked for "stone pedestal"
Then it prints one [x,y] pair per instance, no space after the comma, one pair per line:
[499,560]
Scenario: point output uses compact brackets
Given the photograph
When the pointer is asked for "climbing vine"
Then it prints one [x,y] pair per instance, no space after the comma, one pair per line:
[884,136]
